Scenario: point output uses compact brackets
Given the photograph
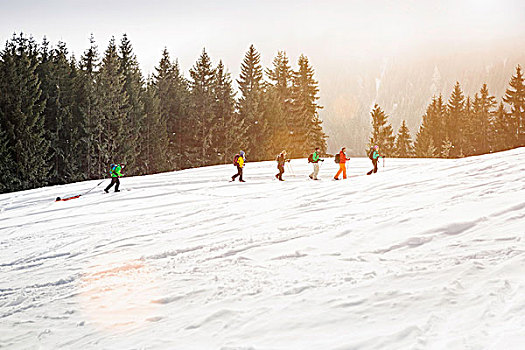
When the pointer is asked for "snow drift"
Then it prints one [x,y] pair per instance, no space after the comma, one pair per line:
[425,254]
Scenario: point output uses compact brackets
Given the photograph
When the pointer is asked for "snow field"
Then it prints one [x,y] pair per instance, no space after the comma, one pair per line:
[425,254]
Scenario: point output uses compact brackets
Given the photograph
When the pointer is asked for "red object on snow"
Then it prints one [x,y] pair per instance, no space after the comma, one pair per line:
[66,199]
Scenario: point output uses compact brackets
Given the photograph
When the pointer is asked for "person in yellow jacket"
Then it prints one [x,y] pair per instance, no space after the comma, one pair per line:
[239,161]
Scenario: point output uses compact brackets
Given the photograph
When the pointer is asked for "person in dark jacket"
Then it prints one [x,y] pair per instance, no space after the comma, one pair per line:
[281,159]
[374,156]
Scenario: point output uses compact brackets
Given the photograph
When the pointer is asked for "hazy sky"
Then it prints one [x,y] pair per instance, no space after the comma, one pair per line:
[328,32]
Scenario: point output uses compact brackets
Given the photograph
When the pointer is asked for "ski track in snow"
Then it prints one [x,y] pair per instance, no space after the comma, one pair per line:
[425,254]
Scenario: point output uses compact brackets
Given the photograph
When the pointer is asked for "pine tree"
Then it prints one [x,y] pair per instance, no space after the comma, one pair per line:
[446,148]
[469,130]
[21,114]
[56,74]
[201,150]
[114,108]
[86,111]
[515,98]
[153,136]
[8,181]
[250,106]
[71,167]
[277,104]
[403,145]
[229,131]
[455,120]
[433,125]
[306,124]
[382,133]
[424,145]
[134,89]
[75,133]
[172,91]
[502,127]
[52,116]
[482,111]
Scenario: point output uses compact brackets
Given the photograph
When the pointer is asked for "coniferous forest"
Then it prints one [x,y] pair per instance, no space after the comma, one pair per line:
[64,119]
[460,127]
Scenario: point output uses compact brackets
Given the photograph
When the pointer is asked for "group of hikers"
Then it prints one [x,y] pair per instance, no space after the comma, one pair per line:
[239,161]
[341,158]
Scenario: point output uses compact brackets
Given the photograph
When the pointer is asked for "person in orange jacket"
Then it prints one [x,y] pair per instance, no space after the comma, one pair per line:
[342,164]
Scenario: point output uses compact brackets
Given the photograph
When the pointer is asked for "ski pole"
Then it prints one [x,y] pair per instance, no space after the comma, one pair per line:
[291,169]
[383,162]
[94,187]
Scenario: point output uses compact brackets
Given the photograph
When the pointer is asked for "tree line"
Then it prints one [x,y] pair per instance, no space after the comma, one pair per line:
[64,120]
[460,127]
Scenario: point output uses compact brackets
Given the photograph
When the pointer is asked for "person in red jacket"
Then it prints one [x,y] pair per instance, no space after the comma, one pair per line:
[342,164]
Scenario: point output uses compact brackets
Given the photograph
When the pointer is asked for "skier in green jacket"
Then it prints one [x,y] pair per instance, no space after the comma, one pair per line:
[114,171]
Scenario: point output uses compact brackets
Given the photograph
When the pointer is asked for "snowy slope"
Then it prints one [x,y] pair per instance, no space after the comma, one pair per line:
[426,254]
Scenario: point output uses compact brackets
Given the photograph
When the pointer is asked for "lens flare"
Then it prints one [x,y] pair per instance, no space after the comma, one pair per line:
[118,293]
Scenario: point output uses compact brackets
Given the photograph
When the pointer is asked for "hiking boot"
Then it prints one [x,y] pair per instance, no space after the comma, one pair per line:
[335,178]
[106,190]
[242,181]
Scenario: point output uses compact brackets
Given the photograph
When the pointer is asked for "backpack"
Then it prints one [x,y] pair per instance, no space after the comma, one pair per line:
[371,153]
[337,158]
[236,160]
[112,169]
[311,158]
